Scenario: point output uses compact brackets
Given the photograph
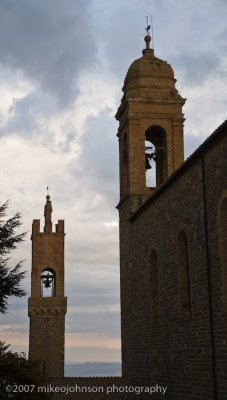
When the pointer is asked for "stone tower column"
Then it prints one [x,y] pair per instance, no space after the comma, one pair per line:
[47,305]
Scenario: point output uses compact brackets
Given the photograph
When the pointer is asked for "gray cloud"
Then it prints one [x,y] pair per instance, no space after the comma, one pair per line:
[49,41]
[191,143]
[15,329]
[100,295]
[99,159]
[197,67]
[103,354]
[105,323]
[17,312]
[221,44]
[27,113]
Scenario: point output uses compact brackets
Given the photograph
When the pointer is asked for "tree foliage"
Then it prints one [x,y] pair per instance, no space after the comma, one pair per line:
[9,277]
[19,377]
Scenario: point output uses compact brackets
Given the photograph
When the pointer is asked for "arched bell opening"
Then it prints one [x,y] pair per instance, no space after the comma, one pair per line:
[155,156]
[48,283]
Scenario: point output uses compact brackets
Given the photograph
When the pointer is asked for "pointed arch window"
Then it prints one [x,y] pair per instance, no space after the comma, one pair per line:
[154,285]
[222,223]
[48,283]
[184,296]
[155,156]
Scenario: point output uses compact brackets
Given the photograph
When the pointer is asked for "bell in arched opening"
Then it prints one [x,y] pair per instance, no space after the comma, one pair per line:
[48,283]
[155,156]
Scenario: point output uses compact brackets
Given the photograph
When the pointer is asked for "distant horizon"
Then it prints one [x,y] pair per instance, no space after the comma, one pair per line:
[93,362]
[89,369]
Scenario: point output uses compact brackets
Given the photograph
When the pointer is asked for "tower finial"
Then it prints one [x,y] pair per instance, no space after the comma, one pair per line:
[148,27]
[48,196]
[147,41]
[147,37]
[47,214]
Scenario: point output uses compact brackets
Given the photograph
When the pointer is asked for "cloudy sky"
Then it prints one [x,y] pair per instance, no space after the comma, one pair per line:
[62,66]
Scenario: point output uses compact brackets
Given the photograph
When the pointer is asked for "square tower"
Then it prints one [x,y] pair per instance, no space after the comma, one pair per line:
[150,129]
[47,305]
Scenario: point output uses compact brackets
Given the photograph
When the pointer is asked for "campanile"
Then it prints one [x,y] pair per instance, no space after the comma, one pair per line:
[151,148]
[47,305]
[150,127]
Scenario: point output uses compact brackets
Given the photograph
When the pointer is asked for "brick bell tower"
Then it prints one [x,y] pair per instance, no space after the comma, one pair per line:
[151,147]
[47,305]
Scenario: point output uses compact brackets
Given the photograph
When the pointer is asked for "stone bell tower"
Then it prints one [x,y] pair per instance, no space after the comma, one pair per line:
[47,305]
[150,126]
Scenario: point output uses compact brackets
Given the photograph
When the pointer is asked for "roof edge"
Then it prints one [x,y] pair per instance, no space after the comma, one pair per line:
[215,136]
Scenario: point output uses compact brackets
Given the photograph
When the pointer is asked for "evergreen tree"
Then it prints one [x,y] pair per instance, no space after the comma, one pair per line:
[9,277]
[19,377]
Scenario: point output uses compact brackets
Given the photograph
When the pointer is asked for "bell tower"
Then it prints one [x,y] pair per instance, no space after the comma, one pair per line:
[150,126]
[151,147]
[47,305]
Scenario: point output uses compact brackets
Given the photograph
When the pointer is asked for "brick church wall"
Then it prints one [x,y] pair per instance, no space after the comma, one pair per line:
[175,348]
